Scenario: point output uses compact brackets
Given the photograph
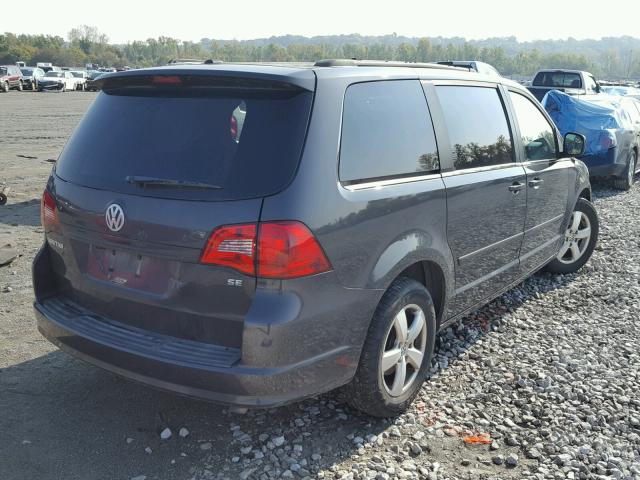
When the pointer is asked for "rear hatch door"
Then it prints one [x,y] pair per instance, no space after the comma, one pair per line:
[157,164]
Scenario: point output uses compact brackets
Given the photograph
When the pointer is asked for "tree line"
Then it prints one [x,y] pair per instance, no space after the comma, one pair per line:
[612,58]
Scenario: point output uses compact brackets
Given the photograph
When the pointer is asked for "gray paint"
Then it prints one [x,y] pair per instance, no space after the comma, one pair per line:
[300,337]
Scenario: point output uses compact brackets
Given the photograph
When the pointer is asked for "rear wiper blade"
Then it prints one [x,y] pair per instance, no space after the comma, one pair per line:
[168,182]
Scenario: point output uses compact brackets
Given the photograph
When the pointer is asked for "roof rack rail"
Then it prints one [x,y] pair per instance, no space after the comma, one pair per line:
[352,62]
[192,61]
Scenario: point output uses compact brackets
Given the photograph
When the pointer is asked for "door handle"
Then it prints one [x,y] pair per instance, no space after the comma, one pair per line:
[535,183]
[515,187]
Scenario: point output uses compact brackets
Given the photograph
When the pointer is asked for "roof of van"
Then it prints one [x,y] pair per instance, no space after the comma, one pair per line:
[304,74]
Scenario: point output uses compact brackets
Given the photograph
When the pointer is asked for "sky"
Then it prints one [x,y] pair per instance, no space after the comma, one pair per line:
[127,20]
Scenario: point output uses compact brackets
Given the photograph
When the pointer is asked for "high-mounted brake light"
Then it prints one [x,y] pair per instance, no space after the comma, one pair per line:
[279,250]
[166,80]
[48,211]
[234,128]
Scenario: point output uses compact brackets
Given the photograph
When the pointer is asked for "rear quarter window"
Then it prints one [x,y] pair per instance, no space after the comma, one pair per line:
[386,132]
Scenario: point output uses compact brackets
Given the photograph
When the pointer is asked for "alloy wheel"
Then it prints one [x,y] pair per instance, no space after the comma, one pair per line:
[576,238]
[403,350]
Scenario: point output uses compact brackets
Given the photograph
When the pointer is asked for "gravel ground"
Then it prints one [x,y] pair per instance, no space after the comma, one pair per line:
[541,383]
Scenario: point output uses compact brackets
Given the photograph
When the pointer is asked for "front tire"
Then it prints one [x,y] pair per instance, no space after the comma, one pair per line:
[580,239]
[20,86]
[396,355]
[5,87]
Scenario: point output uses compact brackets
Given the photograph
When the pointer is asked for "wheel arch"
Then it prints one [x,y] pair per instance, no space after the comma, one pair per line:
[429,274]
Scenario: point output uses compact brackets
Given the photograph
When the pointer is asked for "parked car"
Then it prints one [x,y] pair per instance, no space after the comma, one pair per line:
[612,128]
[256,272]
[479,67]
[623,91]
[61,81]
[48,67]
[31,76]
[81,79]
[571,82]
[10,77]
[91,83]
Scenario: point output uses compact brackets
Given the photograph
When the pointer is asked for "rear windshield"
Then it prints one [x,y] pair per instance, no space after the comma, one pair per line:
[55,74]
[558,79]
[246,142]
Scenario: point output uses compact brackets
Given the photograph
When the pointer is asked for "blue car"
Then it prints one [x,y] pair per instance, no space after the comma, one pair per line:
[612,127]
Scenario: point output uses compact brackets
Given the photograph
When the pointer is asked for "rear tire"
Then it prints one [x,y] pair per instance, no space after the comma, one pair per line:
[5,87]
[626,182]
[386,381]
[581,237]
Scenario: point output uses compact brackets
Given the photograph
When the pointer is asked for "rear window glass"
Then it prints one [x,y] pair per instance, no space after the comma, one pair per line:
[386,131]
[558,79]
[247,143]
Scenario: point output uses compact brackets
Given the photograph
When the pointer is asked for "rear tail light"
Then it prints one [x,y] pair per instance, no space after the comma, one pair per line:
[279,250]
[608,140]
[233,246]
[289,250]
[48,211]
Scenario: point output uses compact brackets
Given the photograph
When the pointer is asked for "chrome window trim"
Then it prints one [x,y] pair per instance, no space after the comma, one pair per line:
[487,168]
[390,182]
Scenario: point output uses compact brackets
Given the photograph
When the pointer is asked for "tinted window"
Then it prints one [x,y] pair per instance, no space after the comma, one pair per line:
[386,131]
[477,125]
[558,79]
[538,136]
[186,134]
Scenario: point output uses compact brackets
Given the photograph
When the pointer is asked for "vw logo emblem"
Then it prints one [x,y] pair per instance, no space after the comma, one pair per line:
[114,217]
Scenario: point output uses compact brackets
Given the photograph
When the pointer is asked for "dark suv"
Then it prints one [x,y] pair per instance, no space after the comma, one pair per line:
[360,208]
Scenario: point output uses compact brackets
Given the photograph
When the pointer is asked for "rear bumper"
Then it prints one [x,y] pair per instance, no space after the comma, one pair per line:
[300,338]
[214,380]
[605,164]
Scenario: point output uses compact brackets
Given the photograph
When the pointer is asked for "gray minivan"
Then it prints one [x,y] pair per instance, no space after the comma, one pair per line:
[361,207]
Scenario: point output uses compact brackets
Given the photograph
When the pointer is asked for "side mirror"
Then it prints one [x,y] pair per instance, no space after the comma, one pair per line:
[597,88]
[574,144]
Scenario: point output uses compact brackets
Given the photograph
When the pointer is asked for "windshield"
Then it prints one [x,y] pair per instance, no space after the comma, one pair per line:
[94,74]
[3,71]
[27,71]
[558,79]
[246,142]
[55,74]
[77,74]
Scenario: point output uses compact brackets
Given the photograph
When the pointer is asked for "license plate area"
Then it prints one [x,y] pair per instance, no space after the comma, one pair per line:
[129,269]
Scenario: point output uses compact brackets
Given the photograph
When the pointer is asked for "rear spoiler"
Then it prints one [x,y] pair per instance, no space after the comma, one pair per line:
[213,76]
